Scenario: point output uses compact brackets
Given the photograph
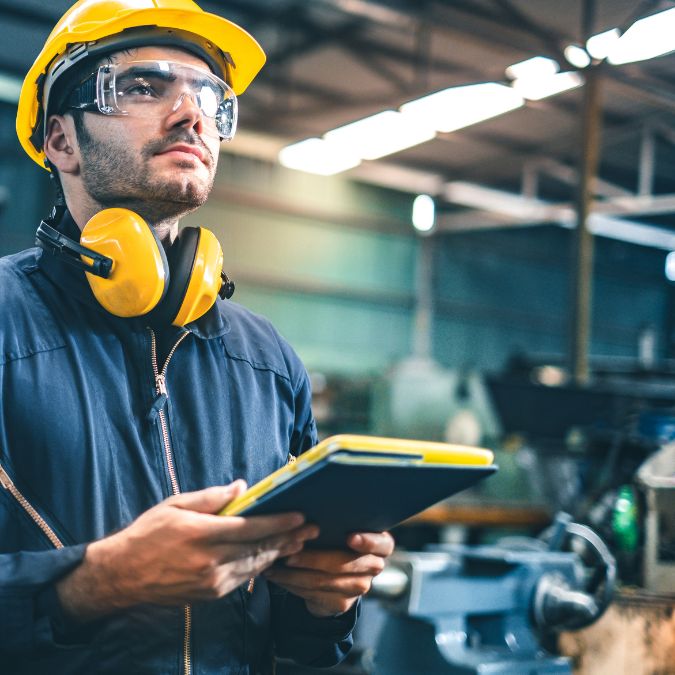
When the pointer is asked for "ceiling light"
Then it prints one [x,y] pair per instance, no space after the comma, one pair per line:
[381,134]
[423,213]
[459,107]
[536,67]
[601,44]
[577,56]
[535,89]
[670,266]
[645,39]
[316,155]
[10,88]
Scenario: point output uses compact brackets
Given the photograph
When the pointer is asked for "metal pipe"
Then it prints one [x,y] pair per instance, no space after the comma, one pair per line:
[422,321]
[647,159]
[583,239]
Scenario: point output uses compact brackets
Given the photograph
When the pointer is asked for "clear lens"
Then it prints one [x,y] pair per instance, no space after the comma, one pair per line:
[156,88]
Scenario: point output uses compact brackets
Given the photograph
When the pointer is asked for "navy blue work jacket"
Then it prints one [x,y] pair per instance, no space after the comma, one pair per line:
[82,454]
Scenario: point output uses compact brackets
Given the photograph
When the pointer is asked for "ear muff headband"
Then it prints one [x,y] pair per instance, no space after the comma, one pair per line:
[55,242]
[139,277]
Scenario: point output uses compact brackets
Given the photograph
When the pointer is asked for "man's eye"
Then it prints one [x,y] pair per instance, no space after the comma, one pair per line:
[139,90]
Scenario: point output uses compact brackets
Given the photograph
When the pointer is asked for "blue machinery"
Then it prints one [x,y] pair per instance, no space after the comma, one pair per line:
[488,609]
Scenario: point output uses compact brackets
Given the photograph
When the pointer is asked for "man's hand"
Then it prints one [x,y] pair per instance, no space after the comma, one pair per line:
[180,551]
[330,582]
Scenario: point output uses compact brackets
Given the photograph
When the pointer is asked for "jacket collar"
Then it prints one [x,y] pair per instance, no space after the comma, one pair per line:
[73,283]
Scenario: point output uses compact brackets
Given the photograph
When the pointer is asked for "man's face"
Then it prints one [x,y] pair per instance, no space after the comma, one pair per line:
[161,167]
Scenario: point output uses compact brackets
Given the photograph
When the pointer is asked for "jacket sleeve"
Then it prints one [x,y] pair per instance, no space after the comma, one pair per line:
[30,613]
[308,640]
[304,435]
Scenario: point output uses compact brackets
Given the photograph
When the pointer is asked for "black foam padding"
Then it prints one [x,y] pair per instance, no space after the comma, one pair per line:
[181,257]
[165,263]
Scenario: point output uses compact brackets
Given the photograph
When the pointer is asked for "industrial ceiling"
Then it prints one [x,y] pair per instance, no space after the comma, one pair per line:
[331,62]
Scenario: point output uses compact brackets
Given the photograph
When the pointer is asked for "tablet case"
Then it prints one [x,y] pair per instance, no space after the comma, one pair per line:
[364,484]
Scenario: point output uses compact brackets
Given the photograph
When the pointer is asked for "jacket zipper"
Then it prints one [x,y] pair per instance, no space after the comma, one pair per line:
[7,483]
[160,386]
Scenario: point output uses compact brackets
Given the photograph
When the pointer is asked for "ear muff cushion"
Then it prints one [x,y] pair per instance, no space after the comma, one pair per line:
[181,261]
[139,278]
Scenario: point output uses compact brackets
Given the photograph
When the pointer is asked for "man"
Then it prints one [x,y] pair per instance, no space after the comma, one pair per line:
[123,434]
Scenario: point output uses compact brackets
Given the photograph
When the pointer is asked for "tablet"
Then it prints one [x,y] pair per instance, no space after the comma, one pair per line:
[349,484]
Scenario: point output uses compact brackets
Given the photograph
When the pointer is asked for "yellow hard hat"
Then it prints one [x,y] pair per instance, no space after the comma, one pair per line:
[90,27]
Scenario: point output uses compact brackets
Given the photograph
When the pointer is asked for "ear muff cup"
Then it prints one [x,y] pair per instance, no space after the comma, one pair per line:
[196,262]
[177,288]
[139,278]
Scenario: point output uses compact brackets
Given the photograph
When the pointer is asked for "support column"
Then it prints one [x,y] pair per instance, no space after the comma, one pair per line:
[583,239]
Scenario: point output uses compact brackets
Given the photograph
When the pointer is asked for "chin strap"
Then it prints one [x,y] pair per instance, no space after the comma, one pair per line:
[60,201]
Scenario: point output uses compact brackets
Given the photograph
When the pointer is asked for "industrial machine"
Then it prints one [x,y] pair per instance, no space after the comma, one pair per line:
[491,609]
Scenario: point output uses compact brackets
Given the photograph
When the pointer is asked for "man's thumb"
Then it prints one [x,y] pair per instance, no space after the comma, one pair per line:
[209,500]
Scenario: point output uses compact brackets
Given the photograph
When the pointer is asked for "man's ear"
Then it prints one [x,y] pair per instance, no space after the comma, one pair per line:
[61,147]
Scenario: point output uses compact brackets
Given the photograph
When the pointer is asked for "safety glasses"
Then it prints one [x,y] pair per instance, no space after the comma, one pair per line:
[156,89]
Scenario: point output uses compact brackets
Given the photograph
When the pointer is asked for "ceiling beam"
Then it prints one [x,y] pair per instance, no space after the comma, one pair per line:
[551,41]
[639,87]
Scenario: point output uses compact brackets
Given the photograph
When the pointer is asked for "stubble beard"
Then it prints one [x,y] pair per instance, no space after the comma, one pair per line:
[114,176]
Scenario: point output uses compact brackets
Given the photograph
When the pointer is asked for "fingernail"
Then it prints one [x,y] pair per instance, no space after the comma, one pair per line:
[312,533]
[357,540]
[292,560]
[236,485]
[297,519]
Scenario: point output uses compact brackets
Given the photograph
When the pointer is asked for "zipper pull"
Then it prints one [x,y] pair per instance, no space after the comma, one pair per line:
[157,406]
[5,480]
[160,383]
[161,398]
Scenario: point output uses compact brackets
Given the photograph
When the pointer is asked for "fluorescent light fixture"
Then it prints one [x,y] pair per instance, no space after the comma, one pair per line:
[536,67]
[577,56]
[538,78]
[423,213]
[645,39]
[670,266]
[316,155]
[10,88]
[381,134]
[459,107]
[599,46]
[535,89]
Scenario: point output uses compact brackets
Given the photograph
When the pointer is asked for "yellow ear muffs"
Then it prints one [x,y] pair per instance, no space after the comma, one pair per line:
[196,261]
[139,277]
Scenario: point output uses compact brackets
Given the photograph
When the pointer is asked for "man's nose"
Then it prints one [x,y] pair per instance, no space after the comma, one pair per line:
[186,112]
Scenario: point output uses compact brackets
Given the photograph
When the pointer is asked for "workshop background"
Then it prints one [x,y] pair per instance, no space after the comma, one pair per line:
[529,307]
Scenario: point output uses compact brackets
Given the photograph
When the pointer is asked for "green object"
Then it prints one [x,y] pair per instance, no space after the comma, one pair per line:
[625,519]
